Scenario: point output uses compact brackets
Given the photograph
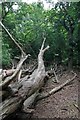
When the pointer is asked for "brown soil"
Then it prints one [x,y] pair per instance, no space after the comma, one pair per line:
[61,104]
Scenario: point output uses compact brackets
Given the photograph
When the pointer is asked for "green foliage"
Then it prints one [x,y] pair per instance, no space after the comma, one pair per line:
[29,22]
[6,56]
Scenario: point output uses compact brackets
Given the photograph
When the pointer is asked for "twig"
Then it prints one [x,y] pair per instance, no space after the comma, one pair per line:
[55,76]
[76,106]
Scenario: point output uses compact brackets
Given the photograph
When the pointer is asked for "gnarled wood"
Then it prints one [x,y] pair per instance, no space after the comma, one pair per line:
[7,80]
[36,79]
[29,87]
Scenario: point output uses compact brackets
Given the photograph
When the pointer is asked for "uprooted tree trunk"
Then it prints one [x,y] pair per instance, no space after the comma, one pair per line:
[22,93]
[27,88]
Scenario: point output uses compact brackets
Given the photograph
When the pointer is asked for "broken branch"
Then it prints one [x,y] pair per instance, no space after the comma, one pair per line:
[77,107]
[12,38]
[7,80]
[55,76]
[56,89]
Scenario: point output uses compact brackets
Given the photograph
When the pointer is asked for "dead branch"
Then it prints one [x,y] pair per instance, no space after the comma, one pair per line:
[22,52]
[6,73]
[54,71]
[19,75]
[9,106]
[77,107]
[55,76]
[7,80]
[56,89]
[28,87]
[9,72]
[43,44]
[36,79]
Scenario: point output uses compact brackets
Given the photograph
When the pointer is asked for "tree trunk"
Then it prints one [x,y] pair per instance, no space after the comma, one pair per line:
[27,87]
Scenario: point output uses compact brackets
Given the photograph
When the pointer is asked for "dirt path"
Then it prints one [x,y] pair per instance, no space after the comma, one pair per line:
[61,104]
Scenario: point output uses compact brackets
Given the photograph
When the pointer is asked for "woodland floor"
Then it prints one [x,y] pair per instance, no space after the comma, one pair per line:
[61,104]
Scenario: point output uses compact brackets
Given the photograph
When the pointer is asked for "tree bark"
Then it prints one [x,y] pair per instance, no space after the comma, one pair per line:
[27,88]
[9,79]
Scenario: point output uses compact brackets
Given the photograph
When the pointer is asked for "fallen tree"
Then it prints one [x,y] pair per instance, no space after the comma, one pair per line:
[26,87]
[22,93]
